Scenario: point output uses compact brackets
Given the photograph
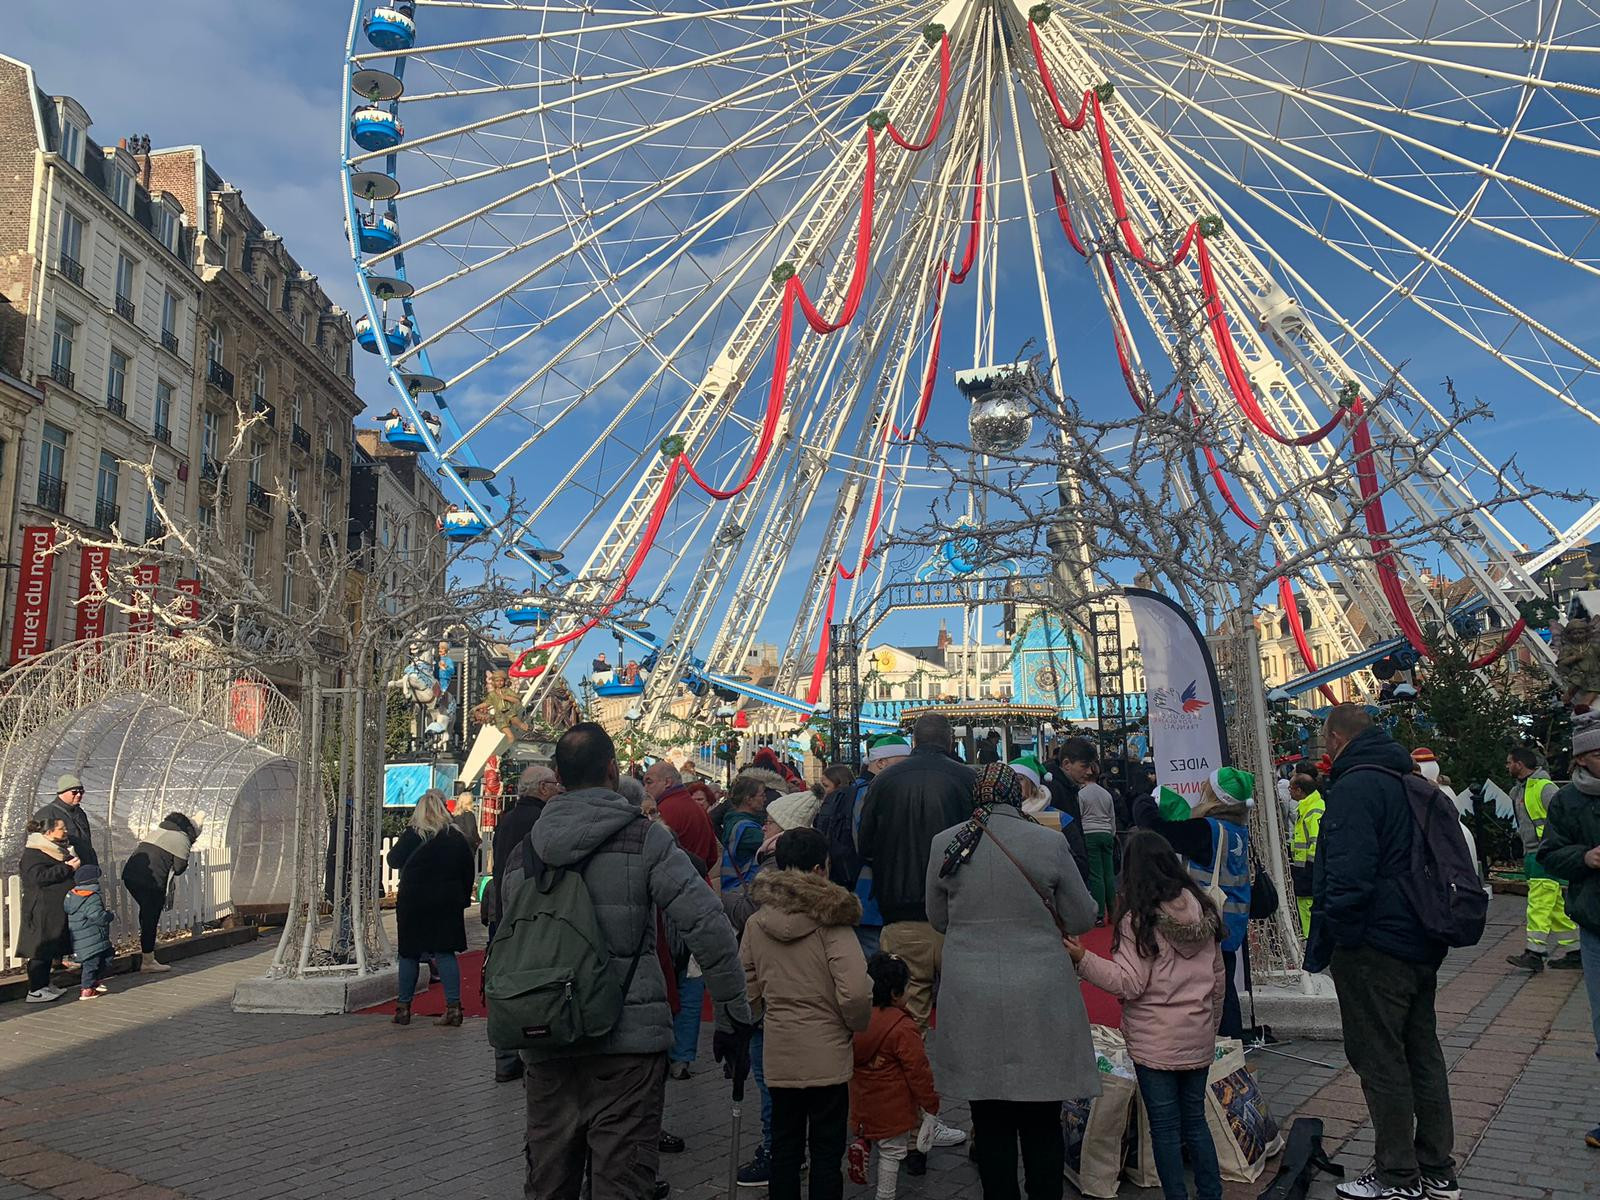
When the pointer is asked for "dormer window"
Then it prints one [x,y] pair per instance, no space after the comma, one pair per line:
[167,226]
[72,143]
[122,189]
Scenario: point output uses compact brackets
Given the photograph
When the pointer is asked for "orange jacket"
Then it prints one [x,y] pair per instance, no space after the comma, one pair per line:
[892,1078]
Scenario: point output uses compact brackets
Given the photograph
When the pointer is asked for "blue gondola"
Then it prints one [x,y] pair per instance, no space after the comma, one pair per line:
[375,128]
[620,689]
[395,335]
[527,611]
[379,233]
[401,433]
[390,26]
[462,525]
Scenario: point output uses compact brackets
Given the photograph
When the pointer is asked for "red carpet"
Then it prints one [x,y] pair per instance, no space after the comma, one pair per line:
[431,1002]
[1104,1009]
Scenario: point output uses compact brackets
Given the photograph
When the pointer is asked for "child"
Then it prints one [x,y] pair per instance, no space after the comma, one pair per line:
[802,963]
[892,1080]
[1166,967]
[88,920]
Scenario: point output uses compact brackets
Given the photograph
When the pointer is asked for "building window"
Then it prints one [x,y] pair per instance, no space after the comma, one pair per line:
[214,342]
[261,379]
[53,468]
[249,557]
[125,287]
[297,411]
[225,240]
[258,452]
[106,483]
[205,516]
[210,435]
[122,189]
[61,348]
[72,144]
[288,588]
[163,424]
[171,314]
[167,227]
[72,246]
[154,527]
[117,383]
[296,483]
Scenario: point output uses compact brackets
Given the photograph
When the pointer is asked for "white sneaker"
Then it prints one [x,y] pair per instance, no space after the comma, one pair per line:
[1367,1187]
[42,995]
[1441,1188]
[942,1136]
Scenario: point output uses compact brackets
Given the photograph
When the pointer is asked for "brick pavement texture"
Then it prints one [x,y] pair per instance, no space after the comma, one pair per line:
[159,1092]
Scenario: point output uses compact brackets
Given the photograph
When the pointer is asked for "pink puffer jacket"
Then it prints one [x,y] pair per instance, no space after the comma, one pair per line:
[1171,1004]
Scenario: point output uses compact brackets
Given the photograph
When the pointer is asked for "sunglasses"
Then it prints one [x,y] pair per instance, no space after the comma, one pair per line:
[74,791]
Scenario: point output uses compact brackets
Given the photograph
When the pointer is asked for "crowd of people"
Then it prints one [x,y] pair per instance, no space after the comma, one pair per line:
[65,915]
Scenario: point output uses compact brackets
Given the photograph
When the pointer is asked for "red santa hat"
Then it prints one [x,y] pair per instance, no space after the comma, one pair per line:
[1427,762]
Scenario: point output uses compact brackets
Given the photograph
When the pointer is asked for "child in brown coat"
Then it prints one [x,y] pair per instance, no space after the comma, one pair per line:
[803,965]
[893,1084]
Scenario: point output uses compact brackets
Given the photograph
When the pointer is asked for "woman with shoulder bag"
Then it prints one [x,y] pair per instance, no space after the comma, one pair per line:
[436,869]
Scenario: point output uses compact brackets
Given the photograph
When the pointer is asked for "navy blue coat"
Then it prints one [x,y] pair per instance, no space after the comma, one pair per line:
[1362,851]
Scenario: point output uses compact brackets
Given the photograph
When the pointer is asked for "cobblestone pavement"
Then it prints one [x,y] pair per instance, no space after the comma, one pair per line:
[159,1092]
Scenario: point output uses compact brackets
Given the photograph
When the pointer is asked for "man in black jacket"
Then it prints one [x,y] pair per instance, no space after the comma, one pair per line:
[906,807]
[68,807]
[1385,968]
[1075,763]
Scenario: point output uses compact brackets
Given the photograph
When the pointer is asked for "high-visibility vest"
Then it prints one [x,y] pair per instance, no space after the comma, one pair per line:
[1230,854]
[1532,812]
[1307,826]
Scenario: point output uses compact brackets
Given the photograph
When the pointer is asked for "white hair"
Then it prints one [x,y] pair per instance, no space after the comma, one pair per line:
[430,815]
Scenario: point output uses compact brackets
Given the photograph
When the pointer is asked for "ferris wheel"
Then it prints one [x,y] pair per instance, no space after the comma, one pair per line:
[678,274]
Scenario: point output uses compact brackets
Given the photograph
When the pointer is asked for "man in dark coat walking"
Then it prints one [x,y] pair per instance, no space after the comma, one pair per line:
[1075,766]
[68,807]
[1385,967]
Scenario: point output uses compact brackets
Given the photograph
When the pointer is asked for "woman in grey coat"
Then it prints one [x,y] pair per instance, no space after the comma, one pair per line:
[1012,1036]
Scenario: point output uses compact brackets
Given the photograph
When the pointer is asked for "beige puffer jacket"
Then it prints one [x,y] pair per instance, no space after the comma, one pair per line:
[803,966]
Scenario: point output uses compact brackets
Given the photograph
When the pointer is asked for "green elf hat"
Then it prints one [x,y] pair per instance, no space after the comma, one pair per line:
[1173,806]
[889,745]
[1028,767]
[1230,783]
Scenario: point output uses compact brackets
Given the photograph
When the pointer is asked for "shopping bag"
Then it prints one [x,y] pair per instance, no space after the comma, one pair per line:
[1094,1128]
[1241,1123]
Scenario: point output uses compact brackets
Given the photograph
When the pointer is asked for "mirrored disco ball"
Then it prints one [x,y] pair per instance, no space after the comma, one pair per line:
[1000,422]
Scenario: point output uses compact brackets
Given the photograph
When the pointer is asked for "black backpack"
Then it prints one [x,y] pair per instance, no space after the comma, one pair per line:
[1440,884]
[836,822]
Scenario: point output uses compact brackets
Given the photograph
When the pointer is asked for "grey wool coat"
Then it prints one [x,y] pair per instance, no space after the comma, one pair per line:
[1011,1021]
[576,830]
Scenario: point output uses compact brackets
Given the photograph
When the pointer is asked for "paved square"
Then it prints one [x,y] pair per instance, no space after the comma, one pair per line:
[159,1092]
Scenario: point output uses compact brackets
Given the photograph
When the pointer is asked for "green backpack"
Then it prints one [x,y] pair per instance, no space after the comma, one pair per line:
[547,975]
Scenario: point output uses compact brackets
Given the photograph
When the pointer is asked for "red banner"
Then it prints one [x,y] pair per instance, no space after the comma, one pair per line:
[191,606]
[31,621]
[145,578]
[93,565]
[247,706]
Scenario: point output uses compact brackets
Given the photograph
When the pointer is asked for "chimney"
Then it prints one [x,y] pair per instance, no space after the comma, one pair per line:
[944,635]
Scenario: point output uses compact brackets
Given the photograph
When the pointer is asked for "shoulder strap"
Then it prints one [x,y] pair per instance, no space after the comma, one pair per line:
[1045,898]
[1220,836]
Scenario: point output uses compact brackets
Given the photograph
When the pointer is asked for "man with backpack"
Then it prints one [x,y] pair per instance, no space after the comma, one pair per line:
[574,984]
[839,821]
[1384,958]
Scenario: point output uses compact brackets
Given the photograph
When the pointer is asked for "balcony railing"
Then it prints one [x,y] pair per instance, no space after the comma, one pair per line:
[219,377]
[52,493]
[263,409]
[154,528]
[300,439]
[256,497]
[106,514]
[62,374]
[332,463]
[72,269]
[124,308]
[163,435]
[169,341]
[116,407]
[211,476]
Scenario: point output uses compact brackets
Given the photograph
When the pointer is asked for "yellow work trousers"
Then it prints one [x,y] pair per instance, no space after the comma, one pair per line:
[1550,931]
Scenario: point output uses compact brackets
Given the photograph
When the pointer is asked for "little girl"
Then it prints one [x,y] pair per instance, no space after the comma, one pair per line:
[892,1079]
[89,922]
[1166,967]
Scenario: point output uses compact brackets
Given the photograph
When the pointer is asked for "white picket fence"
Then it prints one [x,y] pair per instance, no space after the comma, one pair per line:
[389,878]
[201,895]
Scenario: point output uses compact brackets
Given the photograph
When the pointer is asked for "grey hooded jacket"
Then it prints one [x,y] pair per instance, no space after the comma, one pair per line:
[574,831]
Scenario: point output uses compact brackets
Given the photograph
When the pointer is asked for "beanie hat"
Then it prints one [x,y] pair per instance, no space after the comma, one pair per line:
[1028,767]
[889,745]
[1585,732]
[1173,806]
[1427,763]
[1230,783]
[68,783]
[86,874]
[795,811]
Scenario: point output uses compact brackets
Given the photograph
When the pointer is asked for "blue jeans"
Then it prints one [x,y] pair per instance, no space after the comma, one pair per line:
[1589,943]
[94,967]
[869,936]
[758,1043]
[449,974]
[1175,1102]
[686,1025]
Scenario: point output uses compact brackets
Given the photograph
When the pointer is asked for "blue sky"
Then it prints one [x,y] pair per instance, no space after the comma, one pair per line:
[261,89]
